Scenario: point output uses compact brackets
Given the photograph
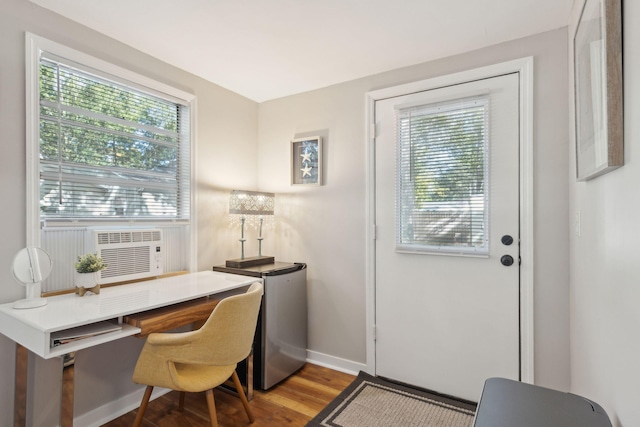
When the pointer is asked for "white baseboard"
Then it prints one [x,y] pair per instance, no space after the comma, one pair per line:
[336,363]
[128,403]
[116,408]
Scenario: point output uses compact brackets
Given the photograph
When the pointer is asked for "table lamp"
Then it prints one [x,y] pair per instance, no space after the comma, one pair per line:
[256,209]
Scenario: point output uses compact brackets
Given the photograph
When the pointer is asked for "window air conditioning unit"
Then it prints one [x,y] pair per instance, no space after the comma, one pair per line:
[131,254]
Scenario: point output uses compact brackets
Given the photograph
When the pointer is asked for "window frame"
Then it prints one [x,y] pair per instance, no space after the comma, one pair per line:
[35,46]
[433,108]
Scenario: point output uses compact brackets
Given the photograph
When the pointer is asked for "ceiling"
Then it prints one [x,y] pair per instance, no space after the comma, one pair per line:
[267,49]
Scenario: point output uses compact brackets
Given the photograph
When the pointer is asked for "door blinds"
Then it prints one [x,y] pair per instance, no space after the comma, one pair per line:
[108,150]
[442,156]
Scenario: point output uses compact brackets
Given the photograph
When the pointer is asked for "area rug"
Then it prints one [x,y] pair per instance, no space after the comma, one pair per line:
[373,402]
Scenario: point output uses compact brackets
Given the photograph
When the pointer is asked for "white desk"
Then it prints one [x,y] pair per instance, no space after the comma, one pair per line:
[32,328]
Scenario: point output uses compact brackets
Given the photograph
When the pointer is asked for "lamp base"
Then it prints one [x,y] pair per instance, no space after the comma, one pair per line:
[250,262]
[29,303]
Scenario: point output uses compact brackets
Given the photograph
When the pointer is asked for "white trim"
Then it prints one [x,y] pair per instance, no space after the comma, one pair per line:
[34,46]
[32,120]
[193,214]
[45,45]
[524,67]
[370,249]
[335,363]
[116,408]
[125,404]
[527,242]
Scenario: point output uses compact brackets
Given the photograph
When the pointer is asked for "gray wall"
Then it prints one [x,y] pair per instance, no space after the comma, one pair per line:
[227,138]
[325,226]
[605,279]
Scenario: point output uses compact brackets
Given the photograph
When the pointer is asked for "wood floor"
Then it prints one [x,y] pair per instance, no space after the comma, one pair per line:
[291,403]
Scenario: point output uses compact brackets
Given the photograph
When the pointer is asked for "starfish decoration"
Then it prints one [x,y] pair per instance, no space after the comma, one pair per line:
[306,171]
[306,157]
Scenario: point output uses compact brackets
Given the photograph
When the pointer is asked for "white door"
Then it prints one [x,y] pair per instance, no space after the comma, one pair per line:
[447,306]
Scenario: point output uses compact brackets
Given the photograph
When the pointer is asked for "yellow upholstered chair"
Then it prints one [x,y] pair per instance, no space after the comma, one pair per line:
[203,359]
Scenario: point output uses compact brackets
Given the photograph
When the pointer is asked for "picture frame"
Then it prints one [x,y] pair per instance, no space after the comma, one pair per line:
[597,60]
[306,161]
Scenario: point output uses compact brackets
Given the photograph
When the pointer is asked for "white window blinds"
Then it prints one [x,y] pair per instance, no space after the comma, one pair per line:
[108,149]
[442,155]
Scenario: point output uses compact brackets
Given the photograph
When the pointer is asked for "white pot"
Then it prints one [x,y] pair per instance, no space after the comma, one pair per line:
[86,280]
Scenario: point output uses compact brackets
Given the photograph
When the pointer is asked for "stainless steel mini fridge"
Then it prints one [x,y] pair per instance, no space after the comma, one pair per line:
[280,345]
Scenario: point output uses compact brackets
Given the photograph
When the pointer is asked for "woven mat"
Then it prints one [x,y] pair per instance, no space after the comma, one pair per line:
[372,402]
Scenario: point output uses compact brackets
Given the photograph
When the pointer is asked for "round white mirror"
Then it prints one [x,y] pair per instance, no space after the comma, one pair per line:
[30,267]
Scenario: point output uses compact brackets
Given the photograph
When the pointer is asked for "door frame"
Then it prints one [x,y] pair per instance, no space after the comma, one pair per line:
[524,67]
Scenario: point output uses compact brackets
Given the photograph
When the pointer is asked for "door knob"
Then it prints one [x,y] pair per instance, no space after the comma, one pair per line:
[506,260]
[506,240]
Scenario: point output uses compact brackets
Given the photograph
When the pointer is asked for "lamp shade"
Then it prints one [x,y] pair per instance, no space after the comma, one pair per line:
[251,203]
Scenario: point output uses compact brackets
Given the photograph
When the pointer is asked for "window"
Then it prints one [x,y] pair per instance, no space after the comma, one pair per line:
[442,175]
[105,147]
[108,149]
[104,144]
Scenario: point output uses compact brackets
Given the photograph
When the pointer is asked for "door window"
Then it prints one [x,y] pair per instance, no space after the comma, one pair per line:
[442,164]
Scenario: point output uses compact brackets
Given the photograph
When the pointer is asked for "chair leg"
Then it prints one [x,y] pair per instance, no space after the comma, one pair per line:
[242,396]
[143,406]
[212,408]
[181,401]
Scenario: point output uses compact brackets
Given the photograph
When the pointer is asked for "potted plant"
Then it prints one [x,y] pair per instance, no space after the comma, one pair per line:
[87,268]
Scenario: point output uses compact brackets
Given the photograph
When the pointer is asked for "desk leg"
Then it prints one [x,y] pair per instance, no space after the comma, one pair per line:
[250,376]
[66,405]
[20,394]
[229,387]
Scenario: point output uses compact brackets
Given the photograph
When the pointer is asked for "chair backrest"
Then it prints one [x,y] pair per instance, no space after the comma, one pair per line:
[227,335]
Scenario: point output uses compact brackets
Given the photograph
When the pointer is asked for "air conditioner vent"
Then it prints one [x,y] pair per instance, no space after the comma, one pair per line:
[126,261]
[115,237]
[130,254]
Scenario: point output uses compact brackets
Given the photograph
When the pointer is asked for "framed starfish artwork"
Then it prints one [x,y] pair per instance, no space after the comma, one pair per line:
[306,161]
